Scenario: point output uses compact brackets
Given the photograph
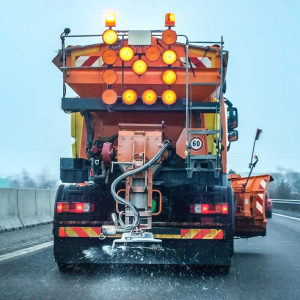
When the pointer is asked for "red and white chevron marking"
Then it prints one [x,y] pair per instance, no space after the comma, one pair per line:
[197,62]
[263,184]
[89,61]
[259,204]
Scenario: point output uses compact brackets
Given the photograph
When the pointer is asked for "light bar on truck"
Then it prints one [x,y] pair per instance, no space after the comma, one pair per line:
[109,76]
[129,97]
[110,20]
[139,67]
[169,57]
[152,53]
[169,37]
[109,37]
[169,77]
[109,96]
[109,57]
[149,97]
[74,207]
[126,53]
[209,208]
[169,97]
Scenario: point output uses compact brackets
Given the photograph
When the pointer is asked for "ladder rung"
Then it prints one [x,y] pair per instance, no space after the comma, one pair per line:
[203,83]
[203,131]
[204,157]
[210,107]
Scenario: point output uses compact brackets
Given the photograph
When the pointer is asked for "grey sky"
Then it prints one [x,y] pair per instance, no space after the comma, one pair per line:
[263,73]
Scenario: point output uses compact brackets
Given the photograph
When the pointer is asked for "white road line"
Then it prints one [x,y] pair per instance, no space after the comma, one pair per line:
[25,251]
[284,216]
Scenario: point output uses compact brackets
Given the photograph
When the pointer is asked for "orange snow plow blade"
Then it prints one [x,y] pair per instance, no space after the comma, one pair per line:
[250,218]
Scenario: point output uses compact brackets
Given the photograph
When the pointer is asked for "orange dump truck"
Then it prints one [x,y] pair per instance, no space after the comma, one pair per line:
[147,182]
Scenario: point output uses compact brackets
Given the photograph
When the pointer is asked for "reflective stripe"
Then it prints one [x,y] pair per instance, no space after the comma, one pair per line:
[259,204]
[79,231]
[89,61]
[186,234]
[202,234]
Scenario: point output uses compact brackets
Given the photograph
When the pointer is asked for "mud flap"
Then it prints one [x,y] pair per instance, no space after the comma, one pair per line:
[171,252]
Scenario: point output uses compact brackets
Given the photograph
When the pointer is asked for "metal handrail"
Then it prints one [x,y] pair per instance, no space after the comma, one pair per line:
[187,127]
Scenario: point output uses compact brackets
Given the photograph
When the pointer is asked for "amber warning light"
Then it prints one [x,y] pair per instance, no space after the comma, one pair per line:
[110,20]
[170,20]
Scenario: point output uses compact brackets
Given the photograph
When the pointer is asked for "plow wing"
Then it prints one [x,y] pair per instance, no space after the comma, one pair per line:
[250,194]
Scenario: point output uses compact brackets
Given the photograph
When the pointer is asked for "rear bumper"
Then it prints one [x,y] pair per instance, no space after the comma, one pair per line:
[175,249]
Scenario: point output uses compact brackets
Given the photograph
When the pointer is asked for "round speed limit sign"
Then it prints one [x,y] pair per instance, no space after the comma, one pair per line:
[196,144]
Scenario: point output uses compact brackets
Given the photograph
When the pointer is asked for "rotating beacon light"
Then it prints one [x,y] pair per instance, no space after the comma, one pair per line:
[170,20]
[110,36]
[110,20]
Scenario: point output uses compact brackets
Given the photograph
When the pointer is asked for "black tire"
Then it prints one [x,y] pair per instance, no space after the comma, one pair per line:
[232,246]
[224,270]
[65,268]
[269,215]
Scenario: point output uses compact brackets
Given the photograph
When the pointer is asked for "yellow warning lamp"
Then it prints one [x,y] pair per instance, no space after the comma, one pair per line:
[170,20]
[169,37]
[109,97]
[126,53]
[169,97]
[139,67]
[169,77]
[110,20]
[109,37]
[109,57]
[152,53]
[169,57]
[129,97]
[109,76]
[149,97]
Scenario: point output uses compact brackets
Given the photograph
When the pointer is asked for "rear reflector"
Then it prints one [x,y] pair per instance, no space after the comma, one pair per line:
[66,207]
[209,209]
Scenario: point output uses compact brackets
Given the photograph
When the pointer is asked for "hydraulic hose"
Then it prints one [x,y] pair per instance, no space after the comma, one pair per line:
[136,215]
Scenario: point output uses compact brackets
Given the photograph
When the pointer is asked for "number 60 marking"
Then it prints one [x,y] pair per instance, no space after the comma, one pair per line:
[196,144]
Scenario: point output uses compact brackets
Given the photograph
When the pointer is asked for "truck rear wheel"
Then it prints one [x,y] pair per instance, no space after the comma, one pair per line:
[223,270]
[65,268]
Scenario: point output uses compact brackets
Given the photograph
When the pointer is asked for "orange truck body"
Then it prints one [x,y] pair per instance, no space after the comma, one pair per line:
[184,198]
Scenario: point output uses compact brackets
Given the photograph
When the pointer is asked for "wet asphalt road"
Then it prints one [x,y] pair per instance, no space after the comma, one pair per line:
[262,268]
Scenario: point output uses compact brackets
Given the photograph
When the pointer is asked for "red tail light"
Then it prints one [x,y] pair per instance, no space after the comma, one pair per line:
[209,209]
[224,209]
[204,208]
[59,207]
[79,207]
[65,207]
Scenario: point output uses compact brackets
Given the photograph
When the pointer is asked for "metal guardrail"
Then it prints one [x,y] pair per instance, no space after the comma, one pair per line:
[286,204]
[287,201]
